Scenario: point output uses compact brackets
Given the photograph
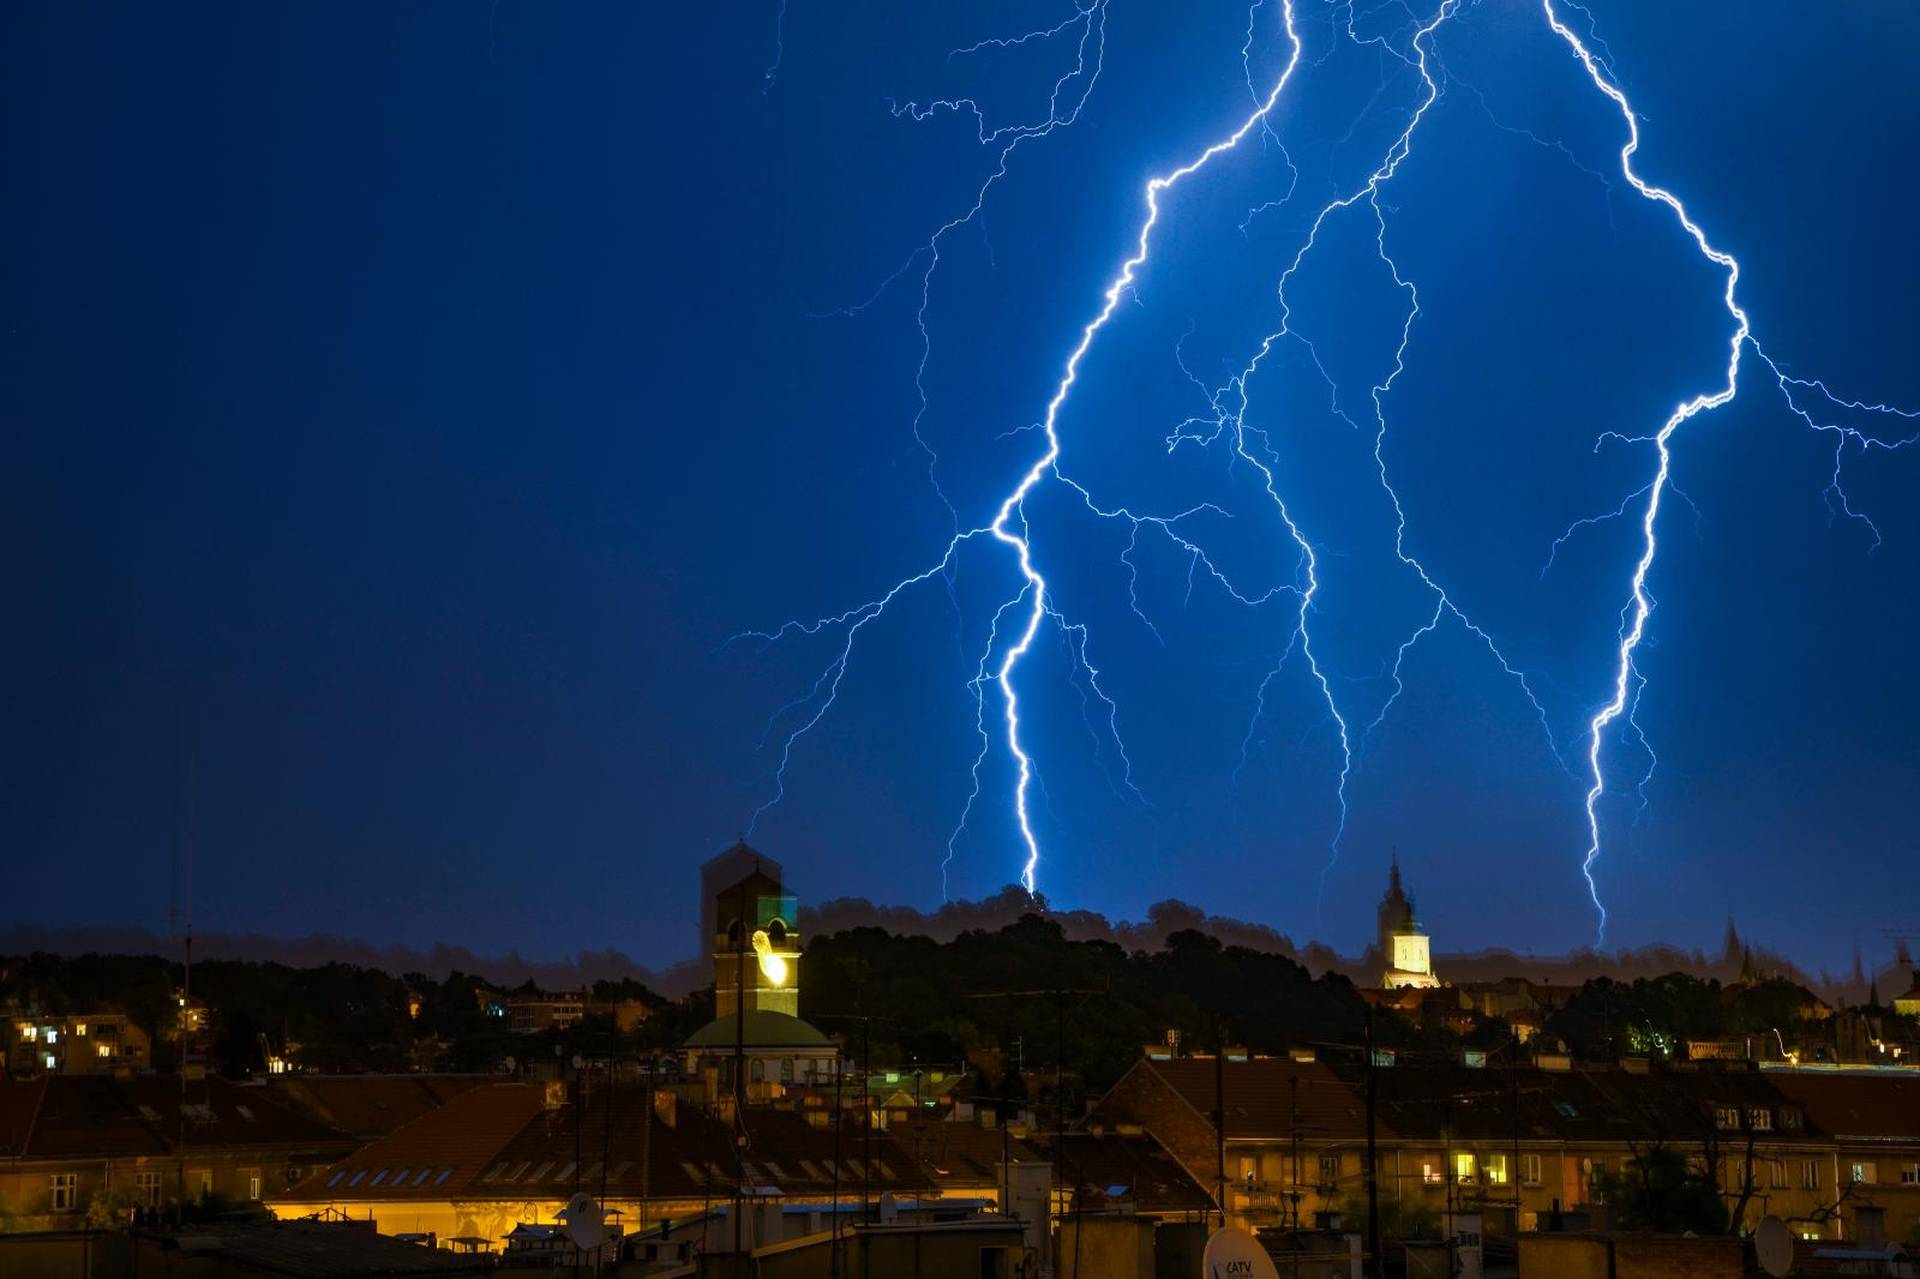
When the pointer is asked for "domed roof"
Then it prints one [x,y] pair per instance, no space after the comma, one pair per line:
[765,1029]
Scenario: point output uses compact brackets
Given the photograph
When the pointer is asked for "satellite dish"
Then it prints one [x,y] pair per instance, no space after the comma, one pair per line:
[1235,1254]
[586,1222]
[1773,1247]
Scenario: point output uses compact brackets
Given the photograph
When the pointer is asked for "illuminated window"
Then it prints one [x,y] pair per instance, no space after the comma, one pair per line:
[252,1176]
[101,1050]
[1463,1168]
[1530,1170]
[1430,1175]
[80,1028]
[1865,1174]
[64,1190]
[1496,1170]
[29,1034]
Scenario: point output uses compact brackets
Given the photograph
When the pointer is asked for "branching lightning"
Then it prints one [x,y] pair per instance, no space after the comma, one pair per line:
[993,671]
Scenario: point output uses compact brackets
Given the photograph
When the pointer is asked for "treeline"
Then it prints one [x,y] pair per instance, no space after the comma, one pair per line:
[1020,1003]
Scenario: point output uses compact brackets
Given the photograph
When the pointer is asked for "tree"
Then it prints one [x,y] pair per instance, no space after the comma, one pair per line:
[1659,1191]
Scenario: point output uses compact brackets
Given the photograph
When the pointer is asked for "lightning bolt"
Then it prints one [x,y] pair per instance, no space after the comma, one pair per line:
[1009,526]
[1640,603]
[1029,606]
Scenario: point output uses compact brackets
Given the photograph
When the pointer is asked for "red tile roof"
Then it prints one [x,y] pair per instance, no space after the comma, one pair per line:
[439,1153]
[370,1106]
[501,1141]
[90,1116]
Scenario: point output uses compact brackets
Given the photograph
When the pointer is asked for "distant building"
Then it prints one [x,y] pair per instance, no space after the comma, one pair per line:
[1908,1005]
[84,1044]
[756,966]
[1522,1144]
[722,872]
[1405,956]
[146,1143]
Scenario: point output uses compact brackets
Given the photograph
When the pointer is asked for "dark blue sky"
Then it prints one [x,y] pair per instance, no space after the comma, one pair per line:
[405,403]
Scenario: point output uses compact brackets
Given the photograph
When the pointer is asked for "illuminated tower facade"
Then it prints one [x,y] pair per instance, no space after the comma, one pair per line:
[756,946]
[1405,954]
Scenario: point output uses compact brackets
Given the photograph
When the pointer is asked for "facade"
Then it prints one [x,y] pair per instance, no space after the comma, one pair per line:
[69,1142]
[85,1044]
[503,1154]
[1406,957]
[1526,1146]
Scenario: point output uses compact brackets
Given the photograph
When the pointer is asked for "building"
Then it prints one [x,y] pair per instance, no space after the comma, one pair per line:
[503,1154]
[68,1142]
[1908,1005]
[756,966]
[369,1106]
[83,1044]
[721,872]
[1406,957]
[1526,1145]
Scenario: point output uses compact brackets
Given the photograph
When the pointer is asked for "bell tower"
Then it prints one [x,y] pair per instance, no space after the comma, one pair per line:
[756,945]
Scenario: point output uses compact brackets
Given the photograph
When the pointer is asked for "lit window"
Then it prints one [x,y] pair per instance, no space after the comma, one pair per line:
[29,1034]
[53,1036]
[64,1190]
[101,1050]
[1463,1168]
[253,1182]
[1430,1175]
[1496,1170]
[80,1028]
[1865,1174]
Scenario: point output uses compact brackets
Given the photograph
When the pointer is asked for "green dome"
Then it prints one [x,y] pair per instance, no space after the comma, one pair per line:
[765,1029]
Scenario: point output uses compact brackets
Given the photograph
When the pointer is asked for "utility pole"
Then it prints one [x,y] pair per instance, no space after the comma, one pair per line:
[1220,1121]
[1373,1160]
[740,1066]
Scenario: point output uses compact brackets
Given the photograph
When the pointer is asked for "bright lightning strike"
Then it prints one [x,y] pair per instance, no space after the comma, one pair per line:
[1019,618]
[1640,604]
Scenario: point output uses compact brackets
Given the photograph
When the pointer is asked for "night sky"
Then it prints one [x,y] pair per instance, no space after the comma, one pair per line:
[405,403]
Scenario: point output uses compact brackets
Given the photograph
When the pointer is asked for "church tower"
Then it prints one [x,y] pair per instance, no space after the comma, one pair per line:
[756,945]
[1405,956]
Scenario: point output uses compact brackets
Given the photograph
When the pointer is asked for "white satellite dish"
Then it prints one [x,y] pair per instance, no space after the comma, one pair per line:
[1235,1254]
[586,1222]
[1773,1247]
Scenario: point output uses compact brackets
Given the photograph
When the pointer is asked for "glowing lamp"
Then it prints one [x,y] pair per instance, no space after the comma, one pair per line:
[773,967]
